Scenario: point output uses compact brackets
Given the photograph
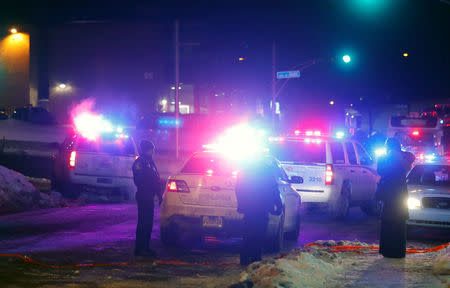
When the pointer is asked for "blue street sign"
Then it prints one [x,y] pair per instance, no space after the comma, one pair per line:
[288,74]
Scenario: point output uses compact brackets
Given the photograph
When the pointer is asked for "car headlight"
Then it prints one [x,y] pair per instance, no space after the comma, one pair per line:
[414,203]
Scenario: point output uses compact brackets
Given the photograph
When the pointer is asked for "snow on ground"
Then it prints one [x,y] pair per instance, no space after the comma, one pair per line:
[321,267]
[18,194]
[13,129]
[442,266]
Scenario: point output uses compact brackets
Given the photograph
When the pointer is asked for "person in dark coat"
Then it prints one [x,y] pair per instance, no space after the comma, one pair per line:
[257,195]
[393,193]
[147,181]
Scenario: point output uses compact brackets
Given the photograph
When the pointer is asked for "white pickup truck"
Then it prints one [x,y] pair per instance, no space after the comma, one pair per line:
[337,173]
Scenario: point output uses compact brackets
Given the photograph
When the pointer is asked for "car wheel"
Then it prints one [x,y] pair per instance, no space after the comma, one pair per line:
[71,191]
[342,206]
[371,207]
[275,242]
[168,235]
[293,235]
[128,195]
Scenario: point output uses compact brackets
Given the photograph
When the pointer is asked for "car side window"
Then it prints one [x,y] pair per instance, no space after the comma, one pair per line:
[351,153]
[337,152]
[364,158]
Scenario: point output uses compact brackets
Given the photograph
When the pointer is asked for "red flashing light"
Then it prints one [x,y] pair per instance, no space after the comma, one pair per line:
[72,158]
[209,172]
[328,175]
[309,133]
[415,133]
[297,132]
[317,133]
[276,139]
[235,174]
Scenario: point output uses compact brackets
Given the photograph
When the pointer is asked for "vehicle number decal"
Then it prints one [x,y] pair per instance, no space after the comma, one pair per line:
[315,179]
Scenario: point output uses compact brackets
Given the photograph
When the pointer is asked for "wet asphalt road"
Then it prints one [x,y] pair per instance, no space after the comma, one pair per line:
[105,233]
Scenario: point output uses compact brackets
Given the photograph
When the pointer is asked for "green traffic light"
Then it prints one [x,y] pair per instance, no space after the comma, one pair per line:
[346,58]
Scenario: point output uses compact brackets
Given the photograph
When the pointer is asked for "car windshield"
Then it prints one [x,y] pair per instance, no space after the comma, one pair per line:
[114,146]
[301,151]
[205,164]
[433,175]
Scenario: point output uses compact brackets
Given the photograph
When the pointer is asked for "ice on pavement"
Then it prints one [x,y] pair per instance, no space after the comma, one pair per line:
[18,194]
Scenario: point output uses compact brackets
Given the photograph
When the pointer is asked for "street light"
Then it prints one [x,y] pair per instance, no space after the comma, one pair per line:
[331,102]
[405,54]
[346,58]
[13,30]
[62,86]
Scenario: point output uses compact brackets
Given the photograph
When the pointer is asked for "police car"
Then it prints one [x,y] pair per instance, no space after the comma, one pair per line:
[336,173]
[429,195]
[201,199]
[96,162]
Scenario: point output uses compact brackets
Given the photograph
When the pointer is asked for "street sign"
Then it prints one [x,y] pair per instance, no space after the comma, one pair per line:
[288,74]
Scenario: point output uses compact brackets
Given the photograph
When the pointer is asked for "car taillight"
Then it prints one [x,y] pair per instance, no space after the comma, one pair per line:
[179,186]
[72,158]
[328,175]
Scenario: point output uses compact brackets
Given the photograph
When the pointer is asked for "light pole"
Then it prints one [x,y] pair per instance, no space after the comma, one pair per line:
[177,85]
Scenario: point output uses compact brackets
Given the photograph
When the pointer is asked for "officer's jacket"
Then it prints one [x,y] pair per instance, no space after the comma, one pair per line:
[146,176]
[392,188]
[257,193]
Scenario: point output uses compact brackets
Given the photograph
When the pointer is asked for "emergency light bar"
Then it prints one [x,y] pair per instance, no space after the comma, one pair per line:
[91,126]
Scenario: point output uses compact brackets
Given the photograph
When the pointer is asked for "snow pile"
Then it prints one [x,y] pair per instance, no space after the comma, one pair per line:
[442,262]
[18,194]
[297,269]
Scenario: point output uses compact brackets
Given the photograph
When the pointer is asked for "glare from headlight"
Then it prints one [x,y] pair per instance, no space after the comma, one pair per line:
[414,203]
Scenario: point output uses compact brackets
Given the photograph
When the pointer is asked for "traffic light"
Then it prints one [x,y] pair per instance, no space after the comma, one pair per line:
[346,58]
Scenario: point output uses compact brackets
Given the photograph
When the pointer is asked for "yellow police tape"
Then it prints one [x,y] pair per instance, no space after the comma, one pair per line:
[337,249]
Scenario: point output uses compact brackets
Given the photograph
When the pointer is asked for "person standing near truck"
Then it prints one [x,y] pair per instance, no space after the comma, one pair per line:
[148,183]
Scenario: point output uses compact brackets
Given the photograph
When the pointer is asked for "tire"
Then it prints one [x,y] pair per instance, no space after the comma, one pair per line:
[275,242]
[128,195]
[341,208]
[71,191]
[293,235]
[168,236]
[371,207]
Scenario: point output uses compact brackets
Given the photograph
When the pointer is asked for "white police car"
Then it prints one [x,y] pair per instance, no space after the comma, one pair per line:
[97,159]
[336,173]
[201,198]
[429,195]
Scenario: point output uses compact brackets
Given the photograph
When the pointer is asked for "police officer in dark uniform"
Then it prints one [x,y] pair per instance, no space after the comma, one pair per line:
[147,181]
[257,195]
[393,193]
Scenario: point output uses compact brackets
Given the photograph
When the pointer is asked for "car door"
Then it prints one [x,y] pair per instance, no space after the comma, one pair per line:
[369,177]
[291,199]
[353,171]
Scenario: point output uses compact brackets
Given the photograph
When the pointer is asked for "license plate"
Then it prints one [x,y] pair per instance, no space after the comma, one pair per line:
[212,221]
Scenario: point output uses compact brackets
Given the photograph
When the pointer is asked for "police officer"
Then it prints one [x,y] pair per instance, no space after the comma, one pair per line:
[147,181]
[257,195]
[393,193]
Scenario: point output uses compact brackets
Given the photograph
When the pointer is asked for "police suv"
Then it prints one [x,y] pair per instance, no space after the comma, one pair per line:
[101,166]
[332,172]
[201,199]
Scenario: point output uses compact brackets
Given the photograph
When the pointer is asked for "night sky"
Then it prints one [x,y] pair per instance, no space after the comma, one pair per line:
[374,32]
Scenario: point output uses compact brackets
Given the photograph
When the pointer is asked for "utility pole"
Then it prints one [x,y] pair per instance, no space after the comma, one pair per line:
[274,83]
[177,90]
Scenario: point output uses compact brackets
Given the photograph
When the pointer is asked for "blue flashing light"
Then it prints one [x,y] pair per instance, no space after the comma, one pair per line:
[340,134]
[380,152]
